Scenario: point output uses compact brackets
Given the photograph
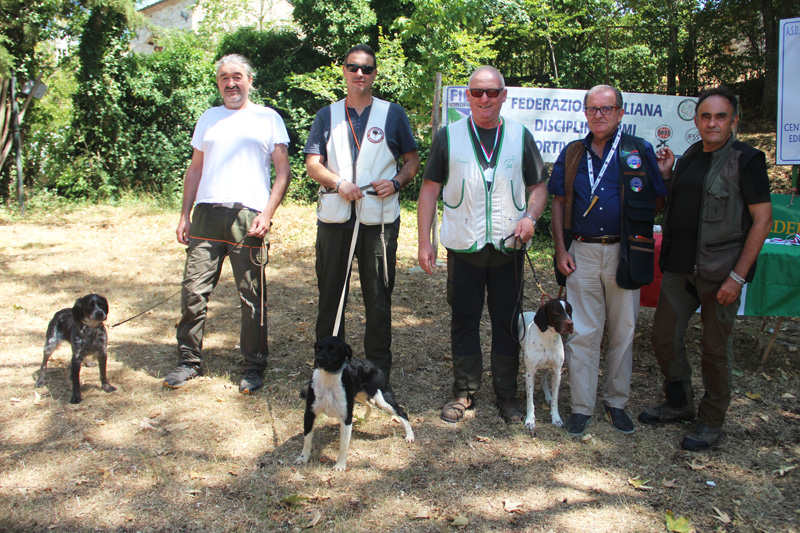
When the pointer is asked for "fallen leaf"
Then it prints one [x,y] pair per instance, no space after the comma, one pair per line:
[37,398]
[193,491]
[422,514]
[460,521]
[511,506]
[221,399]
[722,517]
[697,465]
[679,524]
[792,349]
[315,518]
[784,470]
[753,395]
[588,438]
[639,484]
[788,396]
[481,438]
[15,400]
[195,475]
[172,428]
[294,498]
[669,483]
[297,477]
[146,423]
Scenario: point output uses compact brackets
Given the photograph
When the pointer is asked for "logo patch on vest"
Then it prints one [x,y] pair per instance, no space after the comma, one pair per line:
[509,163]
[634,161]
[375,135]
[636,184]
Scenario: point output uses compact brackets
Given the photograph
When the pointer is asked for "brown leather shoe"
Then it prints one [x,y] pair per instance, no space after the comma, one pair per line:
[454,411]
[509,409]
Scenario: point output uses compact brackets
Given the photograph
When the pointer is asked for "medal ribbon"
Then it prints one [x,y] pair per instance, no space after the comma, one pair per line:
[355,137]
[483,149]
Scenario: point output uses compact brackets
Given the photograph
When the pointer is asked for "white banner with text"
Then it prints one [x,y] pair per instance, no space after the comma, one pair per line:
[555,116]
[788,142]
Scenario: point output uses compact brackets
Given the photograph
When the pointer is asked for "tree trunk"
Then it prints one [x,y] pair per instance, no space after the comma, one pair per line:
[769,97]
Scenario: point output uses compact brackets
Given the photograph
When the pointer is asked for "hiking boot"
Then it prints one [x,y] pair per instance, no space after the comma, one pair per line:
[620,420]
[180,375]
[665,413]
[252,381]
[509,410]
[702,437]
[576,424]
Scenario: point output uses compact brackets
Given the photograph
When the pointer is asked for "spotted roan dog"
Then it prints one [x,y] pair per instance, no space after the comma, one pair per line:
[337,383]
[83,327]
[542,348]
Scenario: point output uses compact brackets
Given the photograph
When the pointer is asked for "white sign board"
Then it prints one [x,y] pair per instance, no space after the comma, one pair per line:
[555,116]
[788,143]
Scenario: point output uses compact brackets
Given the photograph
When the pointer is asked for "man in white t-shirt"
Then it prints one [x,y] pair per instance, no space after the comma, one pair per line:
[227,192]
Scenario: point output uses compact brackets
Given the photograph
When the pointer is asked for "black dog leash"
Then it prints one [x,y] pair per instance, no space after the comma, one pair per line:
[263,253]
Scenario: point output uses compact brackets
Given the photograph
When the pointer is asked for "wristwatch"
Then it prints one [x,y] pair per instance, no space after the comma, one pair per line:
[528,215]
[336,189]
[396,185]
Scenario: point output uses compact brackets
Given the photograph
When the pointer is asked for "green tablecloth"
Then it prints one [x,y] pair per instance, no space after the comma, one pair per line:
[775,291]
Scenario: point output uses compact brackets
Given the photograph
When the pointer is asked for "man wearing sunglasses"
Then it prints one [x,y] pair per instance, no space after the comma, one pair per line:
[492,180]
[606,191]
[352,151]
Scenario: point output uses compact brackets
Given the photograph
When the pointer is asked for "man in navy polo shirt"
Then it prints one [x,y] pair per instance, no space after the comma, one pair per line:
[606,191]
[352,151]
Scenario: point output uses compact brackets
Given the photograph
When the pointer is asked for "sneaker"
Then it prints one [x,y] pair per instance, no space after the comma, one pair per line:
[180,375]
[665,413]
[509,410]
[576,424]
[702,437]
[252,381]
[620,420]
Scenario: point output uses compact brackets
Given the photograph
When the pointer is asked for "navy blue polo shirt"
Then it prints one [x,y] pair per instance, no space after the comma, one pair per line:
[604,218]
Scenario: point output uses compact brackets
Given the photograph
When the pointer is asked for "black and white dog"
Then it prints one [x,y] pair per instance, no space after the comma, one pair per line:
[83,327]
[540,339]
[337,383]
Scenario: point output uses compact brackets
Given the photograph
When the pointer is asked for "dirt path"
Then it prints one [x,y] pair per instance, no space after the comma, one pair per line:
[205,458]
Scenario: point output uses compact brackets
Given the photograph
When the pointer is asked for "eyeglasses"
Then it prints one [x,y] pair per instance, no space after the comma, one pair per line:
[366,69]
[604,110]
[491,93]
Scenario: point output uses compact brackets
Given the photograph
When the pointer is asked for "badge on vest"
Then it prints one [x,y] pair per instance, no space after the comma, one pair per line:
[375,135]
[634,161]
[636,184]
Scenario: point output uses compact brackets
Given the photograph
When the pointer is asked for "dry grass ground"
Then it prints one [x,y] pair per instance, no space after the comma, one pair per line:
[206,458]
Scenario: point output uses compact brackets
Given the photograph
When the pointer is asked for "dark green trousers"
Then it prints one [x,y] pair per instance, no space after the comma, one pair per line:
[215,232]
[332,247]
[681,295]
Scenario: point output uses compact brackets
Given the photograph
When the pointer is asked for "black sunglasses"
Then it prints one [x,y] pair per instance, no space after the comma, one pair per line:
[366,69]
[491,93]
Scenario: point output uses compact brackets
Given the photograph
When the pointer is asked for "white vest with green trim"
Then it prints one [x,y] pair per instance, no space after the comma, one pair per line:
[375,161]
[475,215]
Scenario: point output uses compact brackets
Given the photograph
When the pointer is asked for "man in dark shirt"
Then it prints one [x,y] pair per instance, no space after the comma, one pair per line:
[492,198]
[352,151]
[717,218]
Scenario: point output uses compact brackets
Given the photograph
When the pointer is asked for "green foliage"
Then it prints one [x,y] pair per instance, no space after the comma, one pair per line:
[334,26]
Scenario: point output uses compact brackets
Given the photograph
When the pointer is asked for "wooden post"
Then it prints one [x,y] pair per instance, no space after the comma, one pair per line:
[17,143]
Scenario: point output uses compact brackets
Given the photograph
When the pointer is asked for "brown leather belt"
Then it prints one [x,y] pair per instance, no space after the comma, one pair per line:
[604,240]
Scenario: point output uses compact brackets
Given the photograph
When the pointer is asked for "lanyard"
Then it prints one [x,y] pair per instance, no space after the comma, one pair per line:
[483,149]
[355,137]
[595,182]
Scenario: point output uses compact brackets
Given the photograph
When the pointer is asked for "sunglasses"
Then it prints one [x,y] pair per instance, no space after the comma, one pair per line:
[366,69]
[604,110]
[491,93]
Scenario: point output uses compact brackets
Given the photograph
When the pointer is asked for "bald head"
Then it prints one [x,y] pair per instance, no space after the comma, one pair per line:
[485,71]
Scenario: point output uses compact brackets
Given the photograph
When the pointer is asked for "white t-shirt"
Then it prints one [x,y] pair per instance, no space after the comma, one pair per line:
[237,147]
